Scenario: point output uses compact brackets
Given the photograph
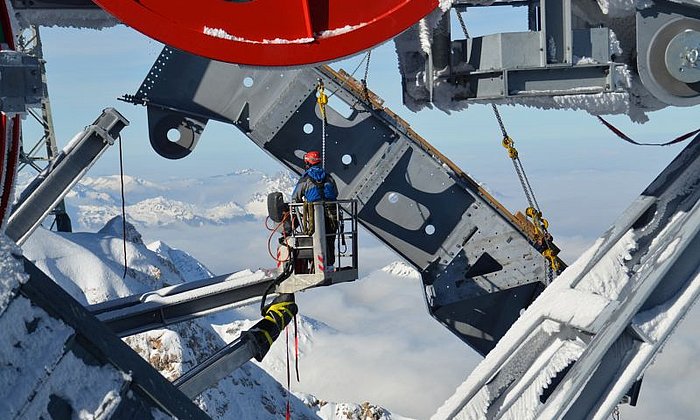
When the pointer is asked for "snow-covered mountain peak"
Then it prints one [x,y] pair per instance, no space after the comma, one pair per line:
[218,200]
[113,183]
[117,228]
[401,269]
[187,265]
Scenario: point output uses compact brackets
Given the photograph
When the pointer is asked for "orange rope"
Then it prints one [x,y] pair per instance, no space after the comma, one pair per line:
[272,234]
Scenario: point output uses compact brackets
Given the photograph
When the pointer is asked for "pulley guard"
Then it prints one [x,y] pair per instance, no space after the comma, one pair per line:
[269,32]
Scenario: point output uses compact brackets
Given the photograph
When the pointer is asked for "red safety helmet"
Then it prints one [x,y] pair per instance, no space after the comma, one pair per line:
[312,158]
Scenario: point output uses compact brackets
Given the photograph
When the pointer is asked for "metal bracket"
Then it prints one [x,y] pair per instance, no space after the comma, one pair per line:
[20,82]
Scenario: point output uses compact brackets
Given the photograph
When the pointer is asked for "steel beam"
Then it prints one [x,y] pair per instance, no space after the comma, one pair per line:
[144,393]
[170,305]
[478,262]
[51,186]
[589,337]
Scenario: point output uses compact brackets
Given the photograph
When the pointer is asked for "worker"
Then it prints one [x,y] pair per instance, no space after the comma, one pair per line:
[318,185]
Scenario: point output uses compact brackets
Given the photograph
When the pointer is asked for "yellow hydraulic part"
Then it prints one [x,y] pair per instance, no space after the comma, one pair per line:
[277,316]
[322,99]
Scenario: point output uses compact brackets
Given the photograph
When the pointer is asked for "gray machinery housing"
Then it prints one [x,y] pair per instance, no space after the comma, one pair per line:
[478,264]
[572,48]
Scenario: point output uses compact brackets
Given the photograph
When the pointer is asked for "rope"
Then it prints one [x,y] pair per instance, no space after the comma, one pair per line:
[461,23]
[272,234]
[533,211]
[296,347]
[624,136]
[288,412]
[508,143]
[322,101]
[351,74]
[365,91]
[121,179]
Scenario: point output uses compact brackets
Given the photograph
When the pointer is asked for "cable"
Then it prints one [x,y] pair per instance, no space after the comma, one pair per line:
[272,233]
[626,138]
[533,211]
[351,74]
[462,24]
[121,178]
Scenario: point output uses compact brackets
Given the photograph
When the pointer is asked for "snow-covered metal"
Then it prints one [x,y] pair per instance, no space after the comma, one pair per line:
[60,362]
[52,184]
[160,308]
[605,58]
[577,351]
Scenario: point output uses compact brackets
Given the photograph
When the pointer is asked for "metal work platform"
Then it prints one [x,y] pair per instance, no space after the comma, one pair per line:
[478,262]
[319,257]
[588,339]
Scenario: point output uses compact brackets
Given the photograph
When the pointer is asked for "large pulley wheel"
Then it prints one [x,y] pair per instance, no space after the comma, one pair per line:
[672,64]
[270,32]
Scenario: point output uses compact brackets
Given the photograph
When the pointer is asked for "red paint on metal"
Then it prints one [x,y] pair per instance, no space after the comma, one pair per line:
[10,160]
[9,137]
[270,32]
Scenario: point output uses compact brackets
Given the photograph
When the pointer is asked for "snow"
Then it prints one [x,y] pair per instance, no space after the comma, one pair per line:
[339,31]
[223,34]
[65,18]
[90,265]
[610,275]
[37,370]
[93,381]
[11,271]
[192,202]
[189,268]
[27,353]
[617,8]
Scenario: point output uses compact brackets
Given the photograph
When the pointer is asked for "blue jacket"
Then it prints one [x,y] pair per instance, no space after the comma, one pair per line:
[315,185]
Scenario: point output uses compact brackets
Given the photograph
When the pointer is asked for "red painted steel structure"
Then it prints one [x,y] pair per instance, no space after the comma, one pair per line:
[9,132]
[270,32]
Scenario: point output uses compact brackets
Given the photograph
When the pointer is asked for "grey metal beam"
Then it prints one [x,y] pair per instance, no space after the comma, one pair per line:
[51,186]
[252,343]
[566,359]
[170,305]
[217,367]
[147,391]
[63,13]
[479,266]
